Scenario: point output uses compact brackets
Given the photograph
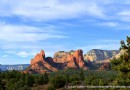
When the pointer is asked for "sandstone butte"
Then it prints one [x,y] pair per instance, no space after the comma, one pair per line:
[42,64]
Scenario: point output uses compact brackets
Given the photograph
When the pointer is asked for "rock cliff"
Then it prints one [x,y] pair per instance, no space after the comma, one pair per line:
[61,60]
[40,64]
[77,60]
[97,54]
[119,54]
[62,56]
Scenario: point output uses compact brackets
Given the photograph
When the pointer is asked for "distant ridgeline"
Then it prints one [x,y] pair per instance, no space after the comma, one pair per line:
[18,67]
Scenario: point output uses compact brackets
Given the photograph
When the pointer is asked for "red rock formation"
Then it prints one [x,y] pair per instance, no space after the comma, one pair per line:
[72,63]
[40,64]
[77,60]
[62,57]
[40,57]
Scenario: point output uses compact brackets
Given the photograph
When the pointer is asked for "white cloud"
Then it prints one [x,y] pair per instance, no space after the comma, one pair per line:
[49,9]
[21,38]
[24,33]
[25,54]
[22,54]
[124,15]
[109,24]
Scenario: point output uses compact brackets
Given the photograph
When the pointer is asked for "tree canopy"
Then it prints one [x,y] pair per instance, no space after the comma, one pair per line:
[122,64]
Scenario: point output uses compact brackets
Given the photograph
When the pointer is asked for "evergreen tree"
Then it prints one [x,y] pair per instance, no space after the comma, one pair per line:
[122,64]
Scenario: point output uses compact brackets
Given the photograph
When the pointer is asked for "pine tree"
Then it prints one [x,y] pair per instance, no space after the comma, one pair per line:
[122,64]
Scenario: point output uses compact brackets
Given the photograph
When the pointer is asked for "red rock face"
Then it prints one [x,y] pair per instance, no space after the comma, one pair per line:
[40,57]
[72,63]
[40,64]
[77,60]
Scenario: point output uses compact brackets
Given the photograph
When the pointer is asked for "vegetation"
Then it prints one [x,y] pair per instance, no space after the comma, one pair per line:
[14,80]
[122,64]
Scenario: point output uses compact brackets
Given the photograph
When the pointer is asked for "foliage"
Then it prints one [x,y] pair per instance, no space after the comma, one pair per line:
[42,79]
[58,81]
[14,80]
[122,64]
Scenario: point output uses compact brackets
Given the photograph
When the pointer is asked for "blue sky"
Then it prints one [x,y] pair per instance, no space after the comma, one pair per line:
[27,26]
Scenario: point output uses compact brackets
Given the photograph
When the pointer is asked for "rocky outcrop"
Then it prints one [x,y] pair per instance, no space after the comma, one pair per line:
[77,60]
[40,57]
[62,56]
[97,54]
[119,54]
[61,60]
[73,59]
[40,64]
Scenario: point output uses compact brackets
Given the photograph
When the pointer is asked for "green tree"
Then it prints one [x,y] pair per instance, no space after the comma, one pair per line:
[42,79]
[81,74]
[58,81]
[29,80]
[122,64]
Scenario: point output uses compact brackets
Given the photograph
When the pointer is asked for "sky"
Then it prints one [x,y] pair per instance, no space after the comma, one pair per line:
[27,26]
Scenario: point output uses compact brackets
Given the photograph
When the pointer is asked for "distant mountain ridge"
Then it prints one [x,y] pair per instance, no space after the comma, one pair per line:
[98,55]
[18,67]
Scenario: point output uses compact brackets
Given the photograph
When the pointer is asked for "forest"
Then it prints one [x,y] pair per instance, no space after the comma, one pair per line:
[14,80]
